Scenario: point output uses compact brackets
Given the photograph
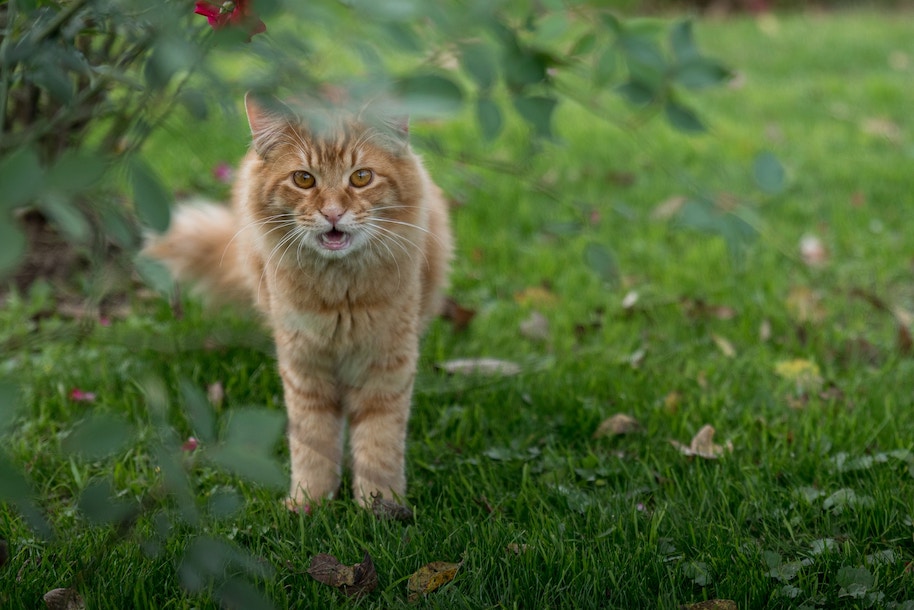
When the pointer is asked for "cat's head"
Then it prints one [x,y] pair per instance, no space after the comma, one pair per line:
[334,183]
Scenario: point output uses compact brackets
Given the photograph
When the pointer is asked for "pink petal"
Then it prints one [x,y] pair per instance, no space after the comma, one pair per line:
[190,444]
[78,395]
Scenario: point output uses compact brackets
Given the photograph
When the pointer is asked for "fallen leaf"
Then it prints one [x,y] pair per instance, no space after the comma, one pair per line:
[804,373]
[671,402]
[883,128]
[535,327]
[536,296]
[517,549]
[636,358]
[354,581]
[711,604]
[617,425]
[764,331]
[630,300]
[480,366]
[724,345]
[668,208]
[430,577]
[805,305]
[703,446]
[385,509]
[456,314]
[64,599]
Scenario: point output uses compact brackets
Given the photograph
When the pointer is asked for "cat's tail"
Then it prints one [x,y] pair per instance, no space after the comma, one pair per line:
[200,248]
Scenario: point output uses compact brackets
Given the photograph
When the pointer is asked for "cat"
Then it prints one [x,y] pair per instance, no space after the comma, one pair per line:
[340,239]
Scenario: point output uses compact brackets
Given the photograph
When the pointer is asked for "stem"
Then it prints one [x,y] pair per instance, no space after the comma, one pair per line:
[61,18]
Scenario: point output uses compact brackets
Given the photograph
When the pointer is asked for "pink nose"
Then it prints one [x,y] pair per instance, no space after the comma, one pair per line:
[333,215]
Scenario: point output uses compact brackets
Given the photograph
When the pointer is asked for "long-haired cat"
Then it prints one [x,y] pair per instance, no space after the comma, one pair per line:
[339,237]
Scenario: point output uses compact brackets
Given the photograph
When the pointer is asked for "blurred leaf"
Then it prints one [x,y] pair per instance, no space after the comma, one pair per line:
[247,446]
[75,171]
[703,445]
[12,245]
[477,59]
[602,261]
[430,577]
[100,504]
[537,111]
[21,178]
[224,503]
[10,403]
[13,485]
[50,76]
[238,593]
[584,45]
[854,582]
[637,93]
[479,366]
[617,425]
[489,117]
[67,216]
[700,73]
[769,173]
[606,66]
[98,436]
[683,118]
[152,200]
[698,572]
[430,95]
[199,411]
[195,103]
[643,54]
[682,41]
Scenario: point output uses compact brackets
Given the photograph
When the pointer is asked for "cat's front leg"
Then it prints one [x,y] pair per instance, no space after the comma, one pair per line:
[315,436]
[377,419]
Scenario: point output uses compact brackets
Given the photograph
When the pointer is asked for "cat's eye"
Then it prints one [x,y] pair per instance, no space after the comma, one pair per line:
[361,177]
[303,179]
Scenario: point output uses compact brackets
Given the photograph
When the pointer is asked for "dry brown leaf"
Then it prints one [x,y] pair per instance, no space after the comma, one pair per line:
[354,581]
[215,392]
[711,604]
[724,345]
[804,373]
[671,402]
[617,425]
[703,445]
[64,599]
[764,331]
[517,549]
[535,327]
[883,128]
[430,577]
[385,509]
[480,366]
[459,316]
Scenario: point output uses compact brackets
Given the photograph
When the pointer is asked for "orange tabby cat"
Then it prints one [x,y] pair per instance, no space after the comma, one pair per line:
[341,240]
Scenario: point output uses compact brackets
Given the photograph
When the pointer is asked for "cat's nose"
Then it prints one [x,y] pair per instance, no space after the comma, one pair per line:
[332,214]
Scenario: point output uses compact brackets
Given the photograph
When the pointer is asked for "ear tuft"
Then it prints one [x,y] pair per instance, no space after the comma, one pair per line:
[266,125]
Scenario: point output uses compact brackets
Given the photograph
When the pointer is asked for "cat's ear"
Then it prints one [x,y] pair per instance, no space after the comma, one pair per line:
[266,125]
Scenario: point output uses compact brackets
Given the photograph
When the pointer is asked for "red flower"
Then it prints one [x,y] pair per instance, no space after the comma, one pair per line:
[190,444]
[235,13]
[78,395]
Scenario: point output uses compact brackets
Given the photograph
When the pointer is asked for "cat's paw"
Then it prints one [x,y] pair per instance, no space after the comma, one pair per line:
[299,508]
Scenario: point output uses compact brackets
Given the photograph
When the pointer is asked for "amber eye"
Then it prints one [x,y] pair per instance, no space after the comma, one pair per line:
[303,180]
[361,177]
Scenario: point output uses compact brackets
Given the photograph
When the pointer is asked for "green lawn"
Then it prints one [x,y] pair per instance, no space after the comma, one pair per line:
[812,508]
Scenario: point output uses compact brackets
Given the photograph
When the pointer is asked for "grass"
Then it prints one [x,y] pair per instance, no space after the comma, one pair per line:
[813,507]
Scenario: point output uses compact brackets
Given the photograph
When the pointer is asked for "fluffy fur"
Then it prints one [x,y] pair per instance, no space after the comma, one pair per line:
[346,275]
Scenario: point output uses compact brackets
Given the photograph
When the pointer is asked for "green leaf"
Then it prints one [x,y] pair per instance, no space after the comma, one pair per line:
[152,200]
[683,118]
[637,93]
[195,103]
[430,95]
[100,504]
[602,261]
[682,41]
[12,245]
[21,178]
[700,73]
[199,411]
[489,117]
[643,54]
[50,76]
[476,60]
[98,436]
[13,485]
[606,66]
[10,402]
[537,110]
[75,171]
[584,45]
[247,447]
[769,173]
[67,216]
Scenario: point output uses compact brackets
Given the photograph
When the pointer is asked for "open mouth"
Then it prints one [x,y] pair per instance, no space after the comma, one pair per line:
[335,240]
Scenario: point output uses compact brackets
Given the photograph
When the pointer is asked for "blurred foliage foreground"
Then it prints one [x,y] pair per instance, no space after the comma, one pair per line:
[83,83]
